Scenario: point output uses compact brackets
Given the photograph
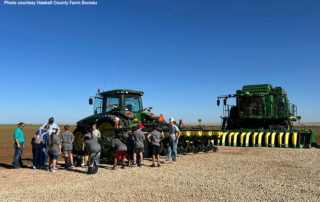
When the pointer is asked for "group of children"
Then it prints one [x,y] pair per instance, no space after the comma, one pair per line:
[45,145]
[135,147]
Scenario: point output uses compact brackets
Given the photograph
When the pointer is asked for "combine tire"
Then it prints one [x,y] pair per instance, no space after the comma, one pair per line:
[79,132]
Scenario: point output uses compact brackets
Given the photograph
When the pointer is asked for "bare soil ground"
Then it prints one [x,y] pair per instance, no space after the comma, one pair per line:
[231,174]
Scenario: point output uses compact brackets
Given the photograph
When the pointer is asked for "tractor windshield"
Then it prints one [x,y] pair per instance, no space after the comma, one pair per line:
[112,102]
[251,106]
[133,103]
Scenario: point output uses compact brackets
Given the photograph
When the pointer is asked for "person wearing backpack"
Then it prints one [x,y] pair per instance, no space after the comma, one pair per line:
[54,144]
[38,146]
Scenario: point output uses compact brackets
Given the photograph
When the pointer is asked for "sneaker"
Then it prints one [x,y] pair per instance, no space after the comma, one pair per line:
[50,169]
[159,165]
[72,166]
[140,165]
[113,168]
[153,166]
[34,167]
[134,165]
[82,164]
[122,167]
[54,170]
[174,162]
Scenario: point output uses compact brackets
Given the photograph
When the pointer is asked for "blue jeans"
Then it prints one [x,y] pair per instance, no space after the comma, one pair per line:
[46,154]
[172,147]
[39,155]
[17,156]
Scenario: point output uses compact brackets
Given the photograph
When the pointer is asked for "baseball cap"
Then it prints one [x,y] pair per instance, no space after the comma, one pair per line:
[171,120]
[116,119]
[140,126]
[51,119]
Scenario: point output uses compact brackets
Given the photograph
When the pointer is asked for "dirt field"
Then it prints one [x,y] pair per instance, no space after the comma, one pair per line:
[231,174]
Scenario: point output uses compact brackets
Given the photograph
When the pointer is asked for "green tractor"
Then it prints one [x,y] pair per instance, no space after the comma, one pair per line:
[262,116]
[124,104]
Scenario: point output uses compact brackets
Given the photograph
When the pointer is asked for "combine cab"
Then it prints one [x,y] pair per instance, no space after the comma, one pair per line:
[262,116]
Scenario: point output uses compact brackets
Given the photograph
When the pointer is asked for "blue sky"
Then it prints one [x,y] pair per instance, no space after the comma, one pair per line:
[181,53]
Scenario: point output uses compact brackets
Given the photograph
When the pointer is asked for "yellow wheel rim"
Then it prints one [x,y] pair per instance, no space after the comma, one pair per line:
[106,133]
[77,143]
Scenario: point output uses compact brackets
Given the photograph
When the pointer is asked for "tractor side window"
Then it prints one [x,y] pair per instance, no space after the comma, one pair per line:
[132,103]
[112,102]
[97,104]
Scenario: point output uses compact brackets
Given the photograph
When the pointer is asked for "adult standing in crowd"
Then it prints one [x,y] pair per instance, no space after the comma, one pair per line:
[18,145]
[173,141]
[51,126]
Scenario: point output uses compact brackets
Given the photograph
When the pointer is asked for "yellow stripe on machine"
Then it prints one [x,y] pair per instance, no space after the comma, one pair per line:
[266,139]
[260,139]
[242,138]
[219,134]
[198,133]
[223,141]
[230,138]
[286,140]
[207,133]
[273,137]
[280,139]
[186,133]
[254,136]
[166,134]
[294,139]
[235,138]
[247,139]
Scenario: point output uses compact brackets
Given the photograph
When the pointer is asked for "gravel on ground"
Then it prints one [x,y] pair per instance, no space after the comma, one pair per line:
[231,174]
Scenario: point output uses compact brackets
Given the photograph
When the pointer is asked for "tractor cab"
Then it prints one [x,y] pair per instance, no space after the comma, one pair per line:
[117,100]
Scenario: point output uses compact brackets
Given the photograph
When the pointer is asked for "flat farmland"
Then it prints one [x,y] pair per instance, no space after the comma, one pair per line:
[231,174]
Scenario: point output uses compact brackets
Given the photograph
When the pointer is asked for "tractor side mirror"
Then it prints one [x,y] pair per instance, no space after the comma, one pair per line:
[90,101]
[218,102]
[225,101]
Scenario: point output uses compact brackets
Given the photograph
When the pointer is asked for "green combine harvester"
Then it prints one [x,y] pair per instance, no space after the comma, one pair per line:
[262,116]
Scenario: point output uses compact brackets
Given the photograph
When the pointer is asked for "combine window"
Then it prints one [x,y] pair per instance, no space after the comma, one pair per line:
[251,106]
[133,103]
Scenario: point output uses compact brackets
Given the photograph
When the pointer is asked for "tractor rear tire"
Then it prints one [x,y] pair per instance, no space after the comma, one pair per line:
[79,132]
[109,123]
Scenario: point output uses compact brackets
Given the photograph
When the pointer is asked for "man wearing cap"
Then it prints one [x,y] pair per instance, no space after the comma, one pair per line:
[173,141]
[51,126]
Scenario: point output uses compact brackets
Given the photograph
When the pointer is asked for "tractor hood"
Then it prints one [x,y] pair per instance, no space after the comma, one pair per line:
[89,119]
